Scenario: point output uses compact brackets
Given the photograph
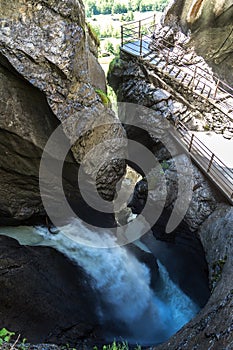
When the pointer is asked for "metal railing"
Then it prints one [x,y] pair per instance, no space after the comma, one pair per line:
[136,31]
[207,161]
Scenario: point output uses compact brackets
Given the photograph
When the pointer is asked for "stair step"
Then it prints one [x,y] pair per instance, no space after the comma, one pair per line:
[148,53]
[227,135]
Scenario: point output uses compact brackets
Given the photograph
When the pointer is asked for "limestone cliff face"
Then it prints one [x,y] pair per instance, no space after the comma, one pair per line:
[210,23]
[49,73]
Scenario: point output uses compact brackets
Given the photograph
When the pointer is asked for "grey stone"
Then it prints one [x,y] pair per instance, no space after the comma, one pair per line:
[50,75]
[161,95]
[42,302]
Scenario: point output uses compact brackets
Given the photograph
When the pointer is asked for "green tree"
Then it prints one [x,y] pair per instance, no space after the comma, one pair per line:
[147,5]
[135,5]
[91,8]
[109,47]
[119,8]
[161,4]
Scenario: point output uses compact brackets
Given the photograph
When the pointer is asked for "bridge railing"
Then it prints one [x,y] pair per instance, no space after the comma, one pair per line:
[209,163]
[136,30]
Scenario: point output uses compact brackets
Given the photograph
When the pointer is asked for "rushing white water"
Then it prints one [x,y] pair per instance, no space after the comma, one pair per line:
[123,283]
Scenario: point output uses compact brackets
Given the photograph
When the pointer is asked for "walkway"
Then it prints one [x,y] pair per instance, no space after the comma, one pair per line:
[174,62]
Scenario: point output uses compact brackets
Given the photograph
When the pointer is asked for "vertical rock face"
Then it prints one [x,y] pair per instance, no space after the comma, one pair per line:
[49,76]
[211,30]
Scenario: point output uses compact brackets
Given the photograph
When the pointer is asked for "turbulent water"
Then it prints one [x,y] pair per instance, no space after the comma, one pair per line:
[140,314]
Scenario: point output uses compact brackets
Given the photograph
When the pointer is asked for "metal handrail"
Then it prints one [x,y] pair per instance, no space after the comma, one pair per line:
[214,165]
[208,92]
[141,20]
[140,24]
[207,75]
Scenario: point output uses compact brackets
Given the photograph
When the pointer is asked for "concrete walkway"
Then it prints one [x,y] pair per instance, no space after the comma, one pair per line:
[221,147]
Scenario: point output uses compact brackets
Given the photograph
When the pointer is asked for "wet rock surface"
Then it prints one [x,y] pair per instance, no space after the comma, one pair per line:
[212,328]
[44,297]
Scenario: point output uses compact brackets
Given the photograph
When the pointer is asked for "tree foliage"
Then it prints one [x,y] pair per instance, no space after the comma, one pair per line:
[107,7]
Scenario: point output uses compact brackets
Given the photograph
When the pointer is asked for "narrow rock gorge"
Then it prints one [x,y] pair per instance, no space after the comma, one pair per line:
[209,216]
[91,279]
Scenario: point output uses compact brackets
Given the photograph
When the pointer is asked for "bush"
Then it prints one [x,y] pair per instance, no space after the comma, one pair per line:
[117,346]
[104,98]
[109,47]
[116,62]
[93,32]
[5,335]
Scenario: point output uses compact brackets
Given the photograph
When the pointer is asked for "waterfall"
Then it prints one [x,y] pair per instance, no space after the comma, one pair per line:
[140,314]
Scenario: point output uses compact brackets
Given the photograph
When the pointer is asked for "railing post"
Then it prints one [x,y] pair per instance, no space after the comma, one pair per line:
[122,35]
[210,163]
[139,29]
[198,81]
[140,45]
[216,88]
[191,142]
[203,89]
[194,77]
[167,59]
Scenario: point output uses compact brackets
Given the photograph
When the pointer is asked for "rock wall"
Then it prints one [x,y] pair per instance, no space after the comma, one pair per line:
[48,76]
[133,83]
[44,297]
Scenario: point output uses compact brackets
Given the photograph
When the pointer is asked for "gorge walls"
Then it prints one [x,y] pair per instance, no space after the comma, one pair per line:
[48,78]
[49,74]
